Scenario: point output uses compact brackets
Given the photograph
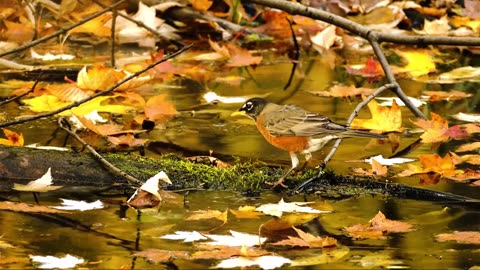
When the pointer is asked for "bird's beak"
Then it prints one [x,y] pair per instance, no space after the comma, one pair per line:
[237,113]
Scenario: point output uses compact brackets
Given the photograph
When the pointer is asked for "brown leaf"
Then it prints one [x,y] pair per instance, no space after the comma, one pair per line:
[307,240]
[224,252]
[466,237]
[378,227]
[28,208]
[287,221]
[468,147]
[161,256]
[209,214]
[435,129]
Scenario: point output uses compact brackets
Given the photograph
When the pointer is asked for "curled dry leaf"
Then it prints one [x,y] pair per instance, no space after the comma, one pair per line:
[378,227]
[466,237]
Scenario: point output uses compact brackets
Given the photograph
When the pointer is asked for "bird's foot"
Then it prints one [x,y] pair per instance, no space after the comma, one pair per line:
[278,183]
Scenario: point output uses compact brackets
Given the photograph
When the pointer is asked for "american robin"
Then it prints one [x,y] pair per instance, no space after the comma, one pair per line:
[296,130]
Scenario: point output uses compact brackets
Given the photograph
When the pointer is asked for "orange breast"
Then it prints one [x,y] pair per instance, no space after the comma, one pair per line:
[287,143]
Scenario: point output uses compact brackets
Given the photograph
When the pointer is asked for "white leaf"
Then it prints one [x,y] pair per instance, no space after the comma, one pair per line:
[277,209]
[388,101]
[212,97]
[51,57]
[185,236]
[388,161]
[237,239]
[467,117]
[264,262]
[42,184]
[49,262]
[79,205]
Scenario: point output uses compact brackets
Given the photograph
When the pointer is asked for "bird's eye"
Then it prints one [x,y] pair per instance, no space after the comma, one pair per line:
[249,106]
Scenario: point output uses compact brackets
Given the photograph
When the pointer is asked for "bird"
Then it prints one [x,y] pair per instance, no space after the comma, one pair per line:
[296,130]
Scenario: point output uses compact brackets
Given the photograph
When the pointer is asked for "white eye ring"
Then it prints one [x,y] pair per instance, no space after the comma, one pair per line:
[249,105]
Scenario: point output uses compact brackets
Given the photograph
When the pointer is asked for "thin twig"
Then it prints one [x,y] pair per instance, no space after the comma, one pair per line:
[65,125]
[61,31]
[20,96]
[296,56]
[101,93]
[114,21]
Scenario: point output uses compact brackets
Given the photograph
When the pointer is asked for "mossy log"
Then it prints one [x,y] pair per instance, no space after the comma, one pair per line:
[80,172]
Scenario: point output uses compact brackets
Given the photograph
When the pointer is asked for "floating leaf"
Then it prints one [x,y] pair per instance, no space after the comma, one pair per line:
[465,237]
[384,119]
[277,209]
[378,227]
[42,184]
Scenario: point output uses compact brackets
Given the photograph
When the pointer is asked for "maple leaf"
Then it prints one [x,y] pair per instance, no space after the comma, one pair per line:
[277,209]
[377,169]
[384,119]
[377,227]
[96,26]
[224,252]
[372,70]
[344,91]
[432,163]
[468,147]
[465,237]
[264,262]
[241,57]
[209,214]
[467,176]
[127,140]
[307,240]
[161,256]
[435,129]
[28,208]
[246,212]
[158,108]
[18,32]
[13,138]
[420,61]
[288,221]
[236,239]
[444,95]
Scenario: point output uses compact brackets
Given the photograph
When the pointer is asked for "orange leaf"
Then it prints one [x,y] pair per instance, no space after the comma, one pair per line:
[209,214]
[157,108]
[241,57]
[466,237]
[435,129]
[384,119]
[13,138]
[433,163]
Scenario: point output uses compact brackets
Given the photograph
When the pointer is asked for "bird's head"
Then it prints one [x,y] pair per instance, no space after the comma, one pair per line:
[252,108]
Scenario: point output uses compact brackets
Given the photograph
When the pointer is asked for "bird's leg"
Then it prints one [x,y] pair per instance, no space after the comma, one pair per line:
[308,156]
[295,163]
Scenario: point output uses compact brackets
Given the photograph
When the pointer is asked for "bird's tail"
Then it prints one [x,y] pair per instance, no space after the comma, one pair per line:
[361,133]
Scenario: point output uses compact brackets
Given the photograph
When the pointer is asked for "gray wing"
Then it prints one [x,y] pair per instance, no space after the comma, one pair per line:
[290,120]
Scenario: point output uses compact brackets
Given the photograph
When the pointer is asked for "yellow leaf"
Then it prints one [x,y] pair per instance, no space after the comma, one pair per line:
[420,62]
[46,103]
[384,119]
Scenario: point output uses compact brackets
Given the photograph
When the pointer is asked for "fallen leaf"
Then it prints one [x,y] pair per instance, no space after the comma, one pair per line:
[264,262]
[419,61]
[42,184]
[435,129]
[13,138]
[445,95]
[277,209]
[185,236]
[209,214]
[28,208]
[247,212]
[161,256]
[236,239]
[307,240]
[468,147]
[388,161]
[225,252]
[344,91]
[468,117]
[467,176]
[432,163]
[79,205]
[384,119]
[465,237]
[287,221]
[50,262]
[378,227]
